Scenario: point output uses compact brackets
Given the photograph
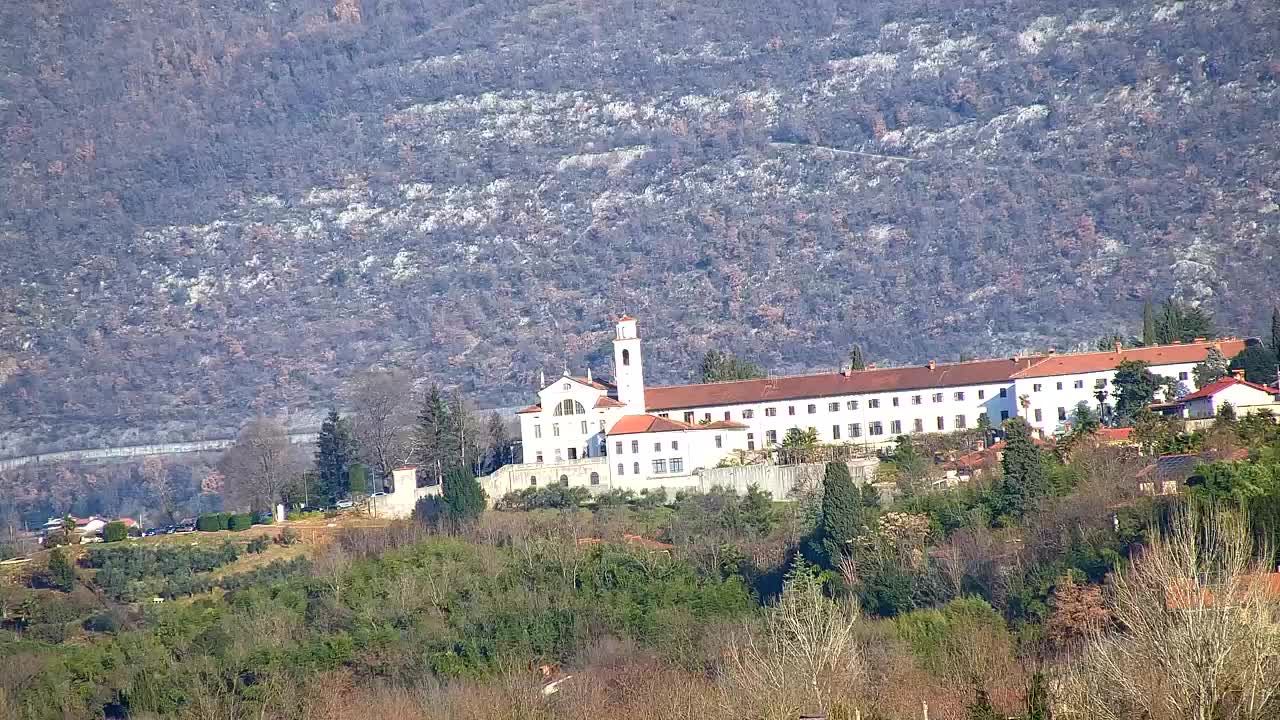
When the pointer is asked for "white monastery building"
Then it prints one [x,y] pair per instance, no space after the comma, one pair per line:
[585,431]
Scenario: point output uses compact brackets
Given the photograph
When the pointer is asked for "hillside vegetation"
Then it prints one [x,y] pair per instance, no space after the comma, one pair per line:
[212,210]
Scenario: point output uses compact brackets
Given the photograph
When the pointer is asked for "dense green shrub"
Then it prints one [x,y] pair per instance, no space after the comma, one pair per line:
[258,545]
[288,536]
[115,532]
[240,521]
[103,622]
[212,522]
[553,496]
[60,575]
[131,573]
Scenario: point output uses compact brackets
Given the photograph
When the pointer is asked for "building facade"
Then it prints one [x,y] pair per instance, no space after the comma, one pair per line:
[624,434]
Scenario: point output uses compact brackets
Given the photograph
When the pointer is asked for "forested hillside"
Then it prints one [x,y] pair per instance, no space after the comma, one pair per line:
[216,209]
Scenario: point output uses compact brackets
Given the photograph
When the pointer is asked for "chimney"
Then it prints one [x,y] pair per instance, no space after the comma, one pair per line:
[1176,342]
[1052,351]
[1238,374]
[1198,339]
[542,379]
[933,365]
[588,374]
[1118,347]
[1015,358]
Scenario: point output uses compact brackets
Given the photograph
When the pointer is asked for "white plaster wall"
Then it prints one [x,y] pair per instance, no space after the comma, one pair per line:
[1049,397]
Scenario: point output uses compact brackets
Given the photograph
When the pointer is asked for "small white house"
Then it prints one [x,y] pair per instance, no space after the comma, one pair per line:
[1243,396]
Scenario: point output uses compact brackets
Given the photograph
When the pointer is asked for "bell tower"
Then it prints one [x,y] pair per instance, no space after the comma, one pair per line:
[628,365]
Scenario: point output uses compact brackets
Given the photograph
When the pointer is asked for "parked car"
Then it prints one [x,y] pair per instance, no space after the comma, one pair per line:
[151,531]
[345,504]
[377,494]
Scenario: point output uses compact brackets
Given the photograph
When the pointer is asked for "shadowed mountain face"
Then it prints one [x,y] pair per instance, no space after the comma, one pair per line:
[217,210]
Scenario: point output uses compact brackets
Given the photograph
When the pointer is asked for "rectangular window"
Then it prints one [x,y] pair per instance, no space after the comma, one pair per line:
[982,394]
[555,429]
[751,441]
[1004,415]
[1099,383]
[959,395]
[635,468]
[791,409]
[1062,414]
[620,469]
[1059,386]
[833,407]
[771,412]
[664,415]
[675,444]
[602,426]
[1183,376]
[617,447]
[1078,384]
[748,414]
[657,447]
[852,405]
[875,428]
[706,417]
[726,414]
[719,442]
[635,446]
[537,431]
[855,430]
[961,422]
[917,399]
[835,432]
[918,425]
[677,465]
[659,467]
[770,437]
[812,408]
[1004,392]
[937,397]
[688,417]
[895,427]
[539,458]
[1039,415]
[573,453]
[584,427]
[1036,387]
[895,401]
[873,403]
[942,423]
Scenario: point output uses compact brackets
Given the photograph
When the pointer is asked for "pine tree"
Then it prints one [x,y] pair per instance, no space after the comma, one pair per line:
[462,496]
[1022,480]
[499,443]
[335,453]
[722,367]
[841,513]
[1134,388]
[432,436]
[1258,364]
[856,362]
[1148,323]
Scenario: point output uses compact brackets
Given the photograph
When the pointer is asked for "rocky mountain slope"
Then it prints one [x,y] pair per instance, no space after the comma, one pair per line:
[217,209]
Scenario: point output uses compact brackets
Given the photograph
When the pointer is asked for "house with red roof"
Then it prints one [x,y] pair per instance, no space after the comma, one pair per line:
[1244,398]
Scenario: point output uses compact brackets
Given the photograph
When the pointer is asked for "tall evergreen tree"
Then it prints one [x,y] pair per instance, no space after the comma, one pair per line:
[841,513]
[720,366]
[1148,323]
[432,438]
[335,453]
[1022,480]
[1258,363]
[499,453]
[1275,331]
[1181,323]
[60,574]
[856,361]
[462,496]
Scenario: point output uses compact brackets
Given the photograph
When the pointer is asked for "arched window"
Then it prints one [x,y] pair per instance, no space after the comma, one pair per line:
[570,407]
[564,479]
[626,357]
[621,467]
[595,478]
[533,481]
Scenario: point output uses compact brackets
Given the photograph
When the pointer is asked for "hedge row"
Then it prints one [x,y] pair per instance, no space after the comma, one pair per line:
[213,522]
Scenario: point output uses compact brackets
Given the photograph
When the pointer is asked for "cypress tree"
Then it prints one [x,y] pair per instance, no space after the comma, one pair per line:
[61,576]
[1023,471]
[856,362]
[841,512]
[462,496]
[1275,331]
[431,438]
[335,452]
[1148,323]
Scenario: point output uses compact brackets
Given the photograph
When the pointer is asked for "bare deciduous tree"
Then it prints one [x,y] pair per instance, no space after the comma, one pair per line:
[159,484]
[382,419]
[1198,636]
[801,657]
[259,466]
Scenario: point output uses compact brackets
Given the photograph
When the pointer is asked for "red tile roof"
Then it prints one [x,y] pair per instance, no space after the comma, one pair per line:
[629,424]
[722,425]
[1221,384]
[1115,434]
[916,377]
[1108,360]
[530,409]
[604,401]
